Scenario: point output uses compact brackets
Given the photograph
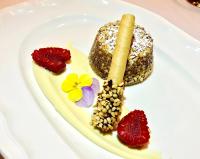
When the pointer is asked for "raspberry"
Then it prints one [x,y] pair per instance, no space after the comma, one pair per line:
[51,58]
[132,130]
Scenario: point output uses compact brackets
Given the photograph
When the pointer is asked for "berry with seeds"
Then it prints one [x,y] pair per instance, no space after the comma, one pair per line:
[132,130]
[52,58]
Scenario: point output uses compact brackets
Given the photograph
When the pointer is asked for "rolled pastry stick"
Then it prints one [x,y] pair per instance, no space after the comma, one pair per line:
[108,107]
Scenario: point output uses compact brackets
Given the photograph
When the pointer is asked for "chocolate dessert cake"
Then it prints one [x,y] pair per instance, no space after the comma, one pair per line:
[140,61]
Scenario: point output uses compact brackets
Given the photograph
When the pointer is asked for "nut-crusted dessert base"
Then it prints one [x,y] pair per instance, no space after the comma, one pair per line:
[108,108]
[140,61]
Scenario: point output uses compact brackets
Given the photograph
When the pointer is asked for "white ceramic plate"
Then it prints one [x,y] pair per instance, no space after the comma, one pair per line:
[169,97]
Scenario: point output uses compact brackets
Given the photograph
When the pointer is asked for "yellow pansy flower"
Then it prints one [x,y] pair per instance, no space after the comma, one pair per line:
[73,84]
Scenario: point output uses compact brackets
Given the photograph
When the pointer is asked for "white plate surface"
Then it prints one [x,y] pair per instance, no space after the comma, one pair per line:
[169,97]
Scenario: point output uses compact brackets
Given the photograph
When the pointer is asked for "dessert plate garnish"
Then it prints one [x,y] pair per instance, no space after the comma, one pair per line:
[50,84]
[81,90]
[52,58]
[132,130]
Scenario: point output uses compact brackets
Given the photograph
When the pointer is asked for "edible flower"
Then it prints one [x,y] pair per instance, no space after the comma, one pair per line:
[81,90]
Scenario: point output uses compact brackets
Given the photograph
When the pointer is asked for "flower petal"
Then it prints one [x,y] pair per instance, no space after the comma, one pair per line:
[75,94]
[85,80]
[88,97]
[95,86]
[70,82]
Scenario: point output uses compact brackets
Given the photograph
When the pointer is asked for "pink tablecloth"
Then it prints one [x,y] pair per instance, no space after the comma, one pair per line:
[178,12]
[5,3]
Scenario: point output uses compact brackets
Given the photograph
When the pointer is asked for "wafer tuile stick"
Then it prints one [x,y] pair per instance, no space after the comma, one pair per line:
[108,107]
[122,48]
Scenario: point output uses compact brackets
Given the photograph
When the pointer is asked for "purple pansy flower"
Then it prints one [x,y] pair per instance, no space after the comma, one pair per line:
[89,93]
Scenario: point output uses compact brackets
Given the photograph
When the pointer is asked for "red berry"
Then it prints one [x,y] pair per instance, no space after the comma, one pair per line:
[51,58]
[132,130]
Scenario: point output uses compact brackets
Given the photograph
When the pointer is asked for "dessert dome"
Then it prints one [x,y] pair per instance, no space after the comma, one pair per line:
[140,61]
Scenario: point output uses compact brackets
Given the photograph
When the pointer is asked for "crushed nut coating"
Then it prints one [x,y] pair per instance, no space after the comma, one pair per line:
[140,61]
[108,108]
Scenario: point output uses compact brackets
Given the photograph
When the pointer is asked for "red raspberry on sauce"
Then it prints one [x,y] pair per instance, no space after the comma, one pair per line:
[52,58]
[132,130]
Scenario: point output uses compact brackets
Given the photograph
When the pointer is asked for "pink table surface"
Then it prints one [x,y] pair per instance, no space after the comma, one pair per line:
[6,3]
[178,12]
